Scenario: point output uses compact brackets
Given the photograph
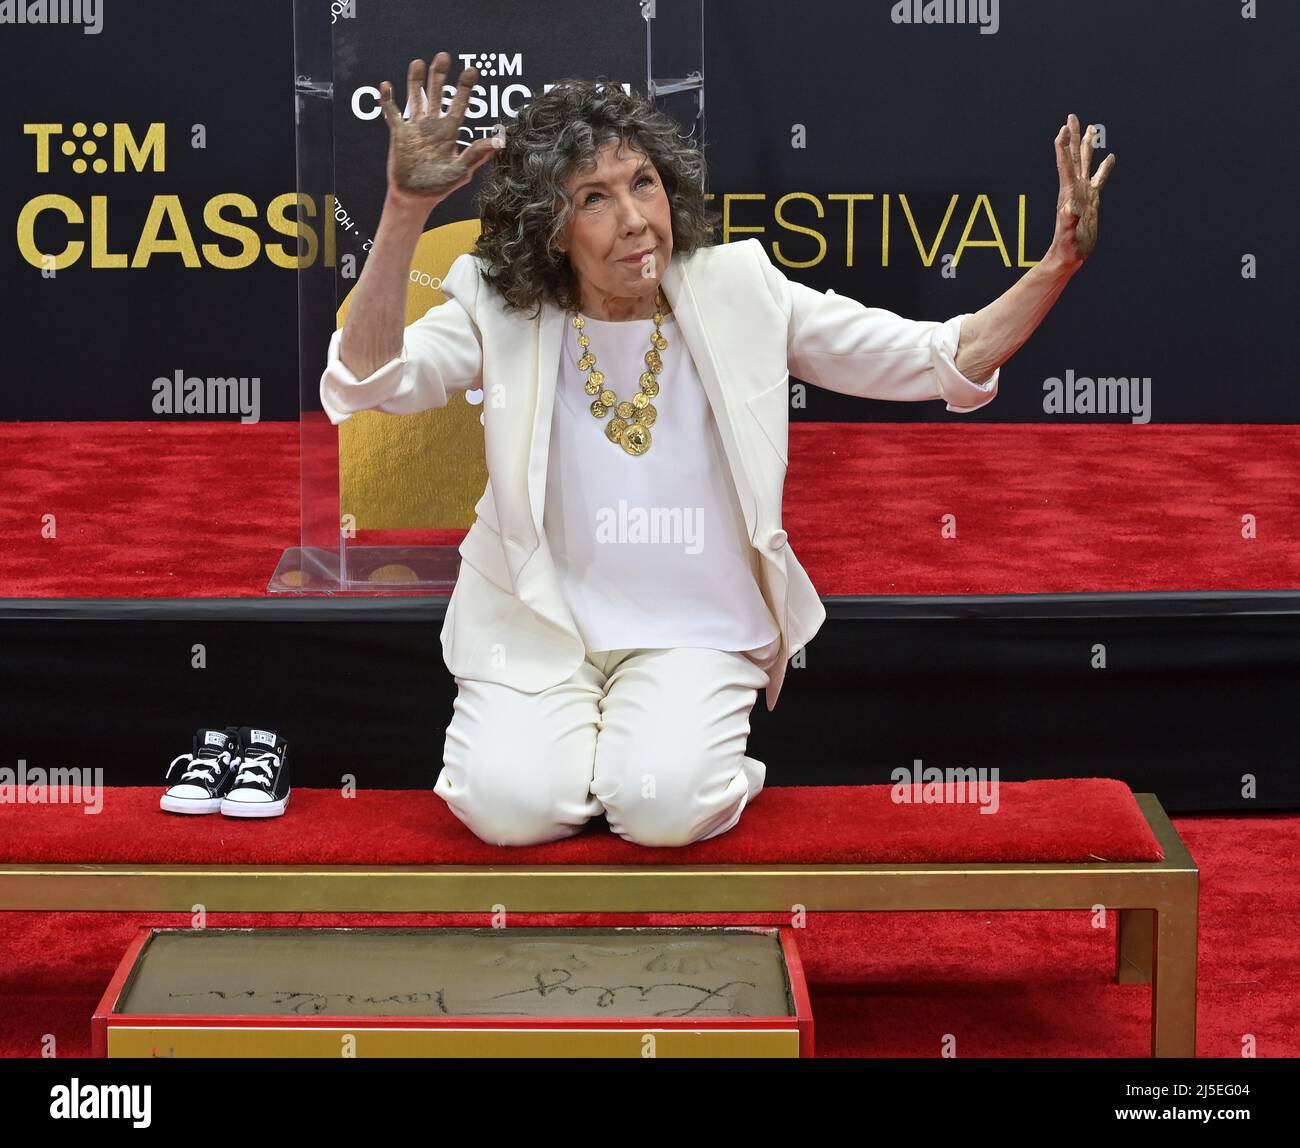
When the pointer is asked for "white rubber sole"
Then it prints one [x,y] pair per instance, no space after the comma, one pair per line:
[254,808]
[190,804]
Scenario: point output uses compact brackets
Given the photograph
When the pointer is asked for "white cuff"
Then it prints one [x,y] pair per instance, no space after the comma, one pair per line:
[961,395]
[342,394]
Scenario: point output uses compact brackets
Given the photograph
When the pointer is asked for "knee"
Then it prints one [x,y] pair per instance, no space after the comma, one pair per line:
[649,815]
[517,767]
[504,807]
[655,829]
[509,816]
[494,828]
[697,797]
[656,834]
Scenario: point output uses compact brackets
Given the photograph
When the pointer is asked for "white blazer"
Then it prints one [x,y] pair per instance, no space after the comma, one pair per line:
[747,327]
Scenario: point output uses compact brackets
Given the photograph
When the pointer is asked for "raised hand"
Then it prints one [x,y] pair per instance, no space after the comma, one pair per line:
[1079,199]
[424,162]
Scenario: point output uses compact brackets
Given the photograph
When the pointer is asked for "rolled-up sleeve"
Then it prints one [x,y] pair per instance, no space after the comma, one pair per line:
[840,344]
[441,353]
[969,396]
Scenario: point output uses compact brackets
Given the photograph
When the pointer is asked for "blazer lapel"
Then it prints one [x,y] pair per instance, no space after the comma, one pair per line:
[679,284]
[553,326]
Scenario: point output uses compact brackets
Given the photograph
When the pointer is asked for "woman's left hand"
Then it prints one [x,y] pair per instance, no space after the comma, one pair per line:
[1079,199]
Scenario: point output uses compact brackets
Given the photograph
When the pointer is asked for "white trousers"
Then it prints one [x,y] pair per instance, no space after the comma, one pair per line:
[654,739]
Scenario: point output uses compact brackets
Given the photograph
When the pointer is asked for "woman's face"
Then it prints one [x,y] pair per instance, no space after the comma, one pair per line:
[620,209]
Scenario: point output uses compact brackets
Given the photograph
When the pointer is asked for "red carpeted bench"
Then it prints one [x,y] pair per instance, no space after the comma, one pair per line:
[1062,844]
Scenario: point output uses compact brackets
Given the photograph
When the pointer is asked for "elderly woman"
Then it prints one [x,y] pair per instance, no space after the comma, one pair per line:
[601,668]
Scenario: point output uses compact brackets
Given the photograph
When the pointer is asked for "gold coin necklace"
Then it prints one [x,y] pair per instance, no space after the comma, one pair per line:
[631,422]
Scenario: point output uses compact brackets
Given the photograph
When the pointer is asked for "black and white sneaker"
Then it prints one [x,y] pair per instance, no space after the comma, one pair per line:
[260,787]
[209,767]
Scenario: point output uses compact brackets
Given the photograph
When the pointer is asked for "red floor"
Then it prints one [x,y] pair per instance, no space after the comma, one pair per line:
[889,984]
[205,510]
[143,510]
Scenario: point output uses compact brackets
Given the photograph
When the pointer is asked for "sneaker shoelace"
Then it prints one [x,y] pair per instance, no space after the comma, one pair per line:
[252,766]
[205,766]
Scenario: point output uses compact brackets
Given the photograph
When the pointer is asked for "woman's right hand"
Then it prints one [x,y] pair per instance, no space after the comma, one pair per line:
[424,165]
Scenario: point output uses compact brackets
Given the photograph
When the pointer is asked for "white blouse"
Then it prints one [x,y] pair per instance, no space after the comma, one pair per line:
[651,549]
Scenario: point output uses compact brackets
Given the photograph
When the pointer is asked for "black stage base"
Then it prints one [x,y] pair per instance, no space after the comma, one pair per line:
[1192,696]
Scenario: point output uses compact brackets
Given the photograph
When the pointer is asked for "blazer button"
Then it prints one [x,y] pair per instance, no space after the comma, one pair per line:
[777,540]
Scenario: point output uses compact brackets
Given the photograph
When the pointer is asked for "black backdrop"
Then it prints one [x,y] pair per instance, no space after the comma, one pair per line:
[1195,98]
[1198,701]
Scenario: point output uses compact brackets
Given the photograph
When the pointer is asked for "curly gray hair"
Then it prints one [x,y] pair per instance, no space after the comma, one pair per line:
[524,205]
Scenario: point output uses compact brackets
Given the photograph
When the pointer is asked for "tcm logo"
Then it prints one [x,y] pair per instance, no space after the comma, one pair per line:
[87,147]
[493,63]
[495,96]
[55,230]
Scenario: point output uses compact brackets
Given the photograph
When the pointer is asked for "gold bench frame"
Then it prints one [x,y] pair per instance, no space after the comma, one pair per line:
[1156,901]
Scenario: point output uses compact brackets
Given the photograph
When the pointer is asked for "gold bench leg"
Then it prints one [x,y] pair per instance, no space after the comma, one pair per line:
[1173,986]
[1135,947]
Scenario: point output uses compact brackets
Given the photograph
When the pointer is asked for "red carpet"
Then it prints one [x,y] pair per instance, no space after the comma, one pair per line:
[882,984]
[1035,821]
[205,509]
